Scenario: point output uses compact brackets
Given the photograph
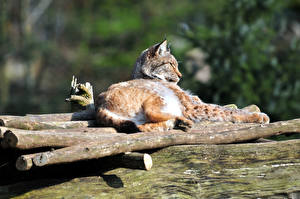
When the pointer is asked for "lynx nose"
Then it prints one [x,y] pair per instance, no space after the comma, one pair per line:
[178,73]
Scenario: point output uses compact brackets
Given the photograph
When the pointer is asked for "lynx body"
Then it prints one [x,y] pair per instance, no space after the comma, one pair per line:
[154,102]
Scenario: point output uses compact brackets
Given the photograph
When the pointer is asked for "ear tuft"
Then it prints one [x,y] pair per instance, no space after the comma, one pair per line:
[162,48]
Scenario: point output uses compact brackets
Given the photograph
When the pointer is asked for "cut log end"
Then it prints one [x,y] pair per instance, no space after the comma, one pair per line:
[147,161]
[24,163]
[10,139]
[136,160]
[41,159]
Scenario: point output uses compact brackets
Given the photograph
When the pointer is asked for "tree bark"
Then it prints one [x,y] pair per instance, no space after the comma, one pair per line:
[35,125]
[5,118]
[128,160]
[59,117]
[214,127]
[152,140]
[22,139]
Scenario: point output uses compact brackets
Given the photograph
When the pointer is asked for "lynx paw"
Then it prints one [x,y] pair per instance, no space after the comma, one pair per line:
[251,108]
[183,124]
[261,118]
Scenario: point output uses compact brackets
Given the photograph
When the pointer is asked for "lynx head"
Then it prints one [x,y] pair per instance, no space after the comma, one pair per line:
[157,62]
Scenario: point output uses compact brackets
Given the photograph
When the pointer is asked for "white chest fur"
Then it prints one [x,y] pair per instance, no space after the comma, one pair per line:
[172,104]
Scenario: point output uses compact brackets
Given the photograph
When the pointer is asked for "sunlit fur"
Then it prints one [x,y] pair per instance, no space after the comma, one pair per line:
[154,102]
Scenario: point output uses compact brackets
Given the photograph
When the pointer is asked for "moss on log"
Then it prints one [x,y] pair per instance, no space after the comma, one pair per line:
[268,170]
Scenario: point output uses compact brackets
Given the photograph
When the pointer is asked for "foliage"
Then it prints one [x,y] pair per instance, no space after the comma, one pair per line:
[253,55]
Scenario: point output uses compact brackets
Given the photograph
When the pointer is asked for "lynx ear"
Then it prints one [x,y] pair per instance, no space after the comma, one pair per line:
[162,48]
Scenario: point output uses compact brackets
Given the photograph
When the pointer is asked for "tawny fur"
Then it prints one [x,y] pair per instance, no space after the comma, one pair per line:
[157,62]
[144,105]
[155,103]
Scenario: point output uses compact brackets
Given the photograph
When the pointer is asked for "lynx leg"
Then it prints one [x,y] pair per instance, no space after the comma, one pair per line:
[106,118]
[214,112]
[178,123]
[158,120]
[255,117]
[157,126]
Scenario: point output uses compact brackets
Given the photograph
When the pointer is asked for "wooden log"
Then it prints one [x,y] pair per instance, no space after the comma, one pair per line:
[58,117]
[130,160]
[61,117]
[5,118]
[214,127]
[135,160]
[34,125]
[22,139]
[24,162]
[143,141]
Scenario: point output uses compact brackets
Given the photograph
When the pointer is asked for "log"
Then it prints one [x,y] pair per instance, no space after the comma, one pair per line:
[5,118]
[22,139]
[128,160]
[58,117]
[214,127]
[152,140]
[24,162]
[34,125]
[134,160]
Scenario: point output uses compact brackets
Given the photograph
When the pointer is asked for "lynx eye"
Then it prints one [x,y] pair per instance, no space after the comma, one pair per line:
[173,65]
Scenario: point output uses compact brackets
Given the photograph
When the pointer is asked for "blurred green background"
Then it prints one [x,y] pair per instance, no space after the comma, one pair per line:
[234,51]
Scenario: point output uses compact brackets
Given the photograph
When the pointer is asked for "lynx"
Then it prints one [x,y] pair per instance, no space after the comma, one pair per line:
[153,101]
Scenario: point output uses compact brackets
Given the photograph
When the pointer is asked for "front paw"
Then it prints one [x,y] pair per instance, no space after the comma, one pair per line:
[251,108]
[261,118]
[184,124]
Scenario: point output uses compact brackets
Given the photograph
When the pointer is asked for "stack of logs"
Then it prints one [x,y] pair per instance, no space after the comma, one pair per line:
[73,137]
